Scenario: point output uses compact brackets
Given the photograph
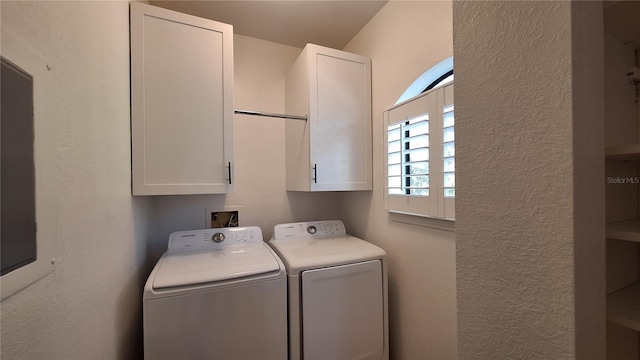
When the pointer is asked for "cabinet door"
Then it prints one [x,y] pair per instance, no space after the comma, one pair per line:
[182,104]
[340,115]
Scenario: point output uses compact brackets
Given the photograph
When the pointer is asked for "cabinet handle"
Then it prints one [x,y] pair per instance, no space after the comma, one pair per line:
[315,173]
[229,172]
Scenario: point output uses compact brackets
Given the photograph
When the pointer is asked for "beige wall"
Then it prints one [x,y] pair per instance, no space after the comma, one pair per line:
[90,307]
[516,258]
[530,204]
[404,40]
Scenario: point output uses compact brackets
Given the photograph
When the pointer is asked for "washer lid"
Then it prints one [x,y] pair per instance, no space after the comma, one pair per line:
[189,268]
[241,254]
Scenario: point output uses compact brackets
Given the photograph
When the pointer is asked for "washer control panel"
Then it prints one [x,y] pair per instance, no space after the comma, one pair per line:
[327,228]
[214,238]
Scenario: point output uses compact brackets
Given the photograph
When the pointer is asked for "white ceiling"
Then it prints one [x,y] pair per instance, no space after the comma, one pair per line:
[330,23]
[333,23]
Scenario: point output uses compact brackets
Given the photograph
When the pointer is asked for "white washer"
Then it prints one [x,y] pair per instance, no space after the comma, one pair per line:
[337,292]
[216,293]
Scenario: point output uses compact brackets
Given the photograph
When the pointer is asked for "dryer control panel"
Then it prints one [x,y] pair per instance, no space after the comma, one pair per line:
[214,238]
[332,228]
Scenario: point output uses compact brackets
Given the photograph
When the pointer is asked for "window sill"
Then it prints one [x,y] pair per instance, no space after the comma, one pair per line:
[440,224]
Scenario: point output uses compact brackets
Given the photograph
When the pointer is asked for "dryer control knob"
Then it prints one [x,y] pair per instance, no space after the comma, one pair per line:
[311,229]
[218,237]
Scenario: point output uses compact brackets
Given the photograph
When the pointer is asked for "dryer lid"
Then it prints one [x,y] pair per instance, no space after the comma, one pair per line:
[241,254]
[326,245]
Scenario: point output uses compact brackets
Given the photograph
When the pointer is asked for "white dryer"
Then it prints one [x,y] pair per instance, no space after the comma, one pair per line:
[216,294]
[337,292]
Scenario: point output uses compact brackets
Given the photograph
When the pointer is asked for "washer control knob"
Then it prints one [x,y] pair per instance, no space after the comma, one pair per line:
[218,237]
[311,229]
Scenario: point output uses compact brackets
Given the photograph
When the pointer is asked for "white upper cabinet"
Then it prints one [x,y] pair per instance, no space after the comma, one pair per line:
[331,151]
[181,103]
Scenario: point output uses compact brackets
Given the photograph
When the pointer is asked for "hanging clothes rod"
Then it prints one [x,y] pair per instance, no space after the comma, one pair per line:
[259,113]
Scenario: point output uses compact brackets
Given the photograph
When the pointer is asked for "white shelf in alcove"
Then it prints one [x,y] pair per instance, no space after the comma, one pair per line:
[624,230]
[623,152]
[623,307]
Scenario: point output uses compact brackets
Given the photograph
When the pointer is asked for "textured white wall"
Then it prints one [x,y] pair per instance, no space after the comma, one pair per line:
[404,40]
[530,220]
[90,307]
[107,240]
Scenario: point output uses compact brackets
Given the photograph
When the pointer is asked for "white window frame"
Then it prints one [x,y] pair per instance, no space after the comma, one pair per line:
[435,205]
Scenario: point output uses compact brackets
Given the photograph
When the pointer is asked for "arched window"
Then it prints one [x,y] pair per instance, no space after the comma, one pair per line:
[420,143]
[438,75]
